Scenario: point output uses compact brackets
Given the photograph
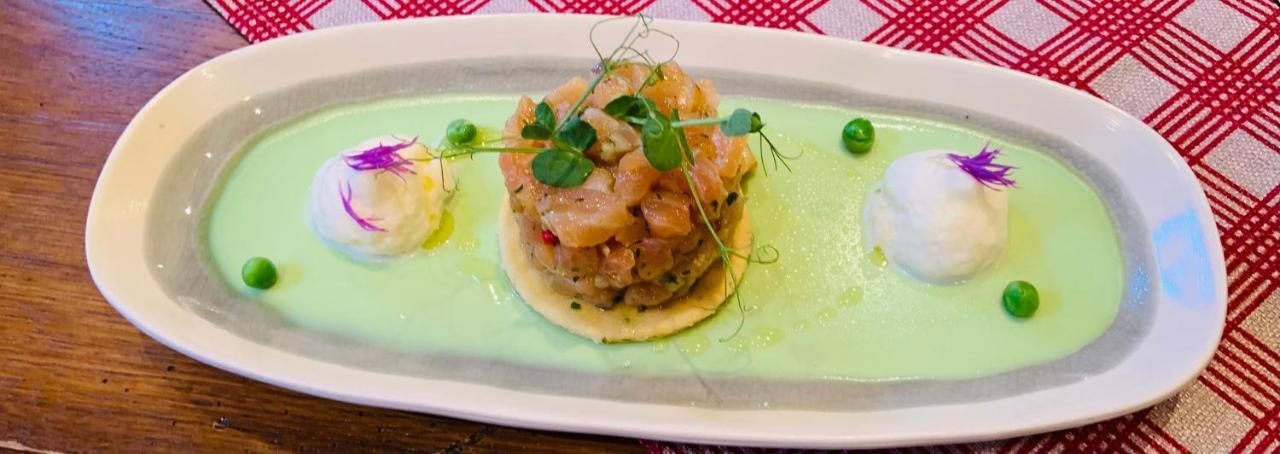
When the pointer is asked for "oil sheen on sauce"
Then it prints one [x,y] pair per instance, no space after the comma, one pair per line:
[824,309]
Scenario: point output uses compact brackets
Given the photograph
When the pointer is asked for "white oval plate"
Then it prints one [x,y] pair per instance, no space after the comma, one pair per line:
[1191,299]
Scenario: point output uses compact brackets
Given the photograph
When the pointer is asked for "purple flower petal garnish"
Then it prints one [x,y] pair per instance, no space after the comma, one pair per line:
[364,223]
[983,168]
[383,157]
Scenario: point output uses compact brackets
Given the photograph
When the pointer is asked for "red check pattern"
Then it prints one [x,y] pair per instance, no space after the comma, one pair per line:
[1205,74]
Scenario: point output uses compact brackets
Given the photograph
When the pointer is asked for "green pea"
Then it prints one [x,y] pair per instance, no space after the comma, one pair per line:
[460,131]
[1021,299]
[259,273]
[858,135]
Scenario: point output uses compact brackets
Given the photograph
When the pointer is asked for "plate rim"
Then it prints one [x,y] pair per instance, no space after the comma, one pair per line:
[262,365]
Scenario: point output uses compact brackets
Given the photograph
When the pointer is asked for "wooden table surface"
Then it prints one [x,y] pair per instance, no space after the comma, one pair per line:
[76,376]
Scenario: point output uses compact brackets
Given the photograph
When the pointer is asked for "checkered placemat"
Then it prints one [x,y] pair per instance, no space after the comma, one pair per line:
[1204,73]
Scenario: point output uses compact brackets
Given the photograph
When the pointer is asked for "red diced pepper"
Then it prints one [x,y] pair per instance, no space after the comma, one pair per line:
[550,238]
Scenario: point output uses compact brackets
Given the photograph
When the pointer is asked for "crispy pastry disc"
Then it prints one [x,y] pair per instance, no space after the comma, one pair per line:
[621,323]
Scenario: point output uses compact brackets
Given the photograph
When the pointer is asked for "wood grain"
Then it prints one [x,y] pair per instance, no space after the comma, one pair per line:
[76,376]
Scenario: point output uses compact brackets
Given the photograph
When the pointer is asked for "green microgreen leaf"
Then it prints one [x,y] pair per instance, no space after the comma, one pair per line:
[576,135]
[561,168]
[661,146]
[543,115]
[544,122]
[682,141]
[739,123]
[535,131]
[628,106]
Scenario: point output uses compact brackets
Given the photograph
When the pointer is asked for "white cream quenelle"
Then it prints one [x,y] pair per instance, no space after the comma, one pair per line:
[939,216]
[380,199]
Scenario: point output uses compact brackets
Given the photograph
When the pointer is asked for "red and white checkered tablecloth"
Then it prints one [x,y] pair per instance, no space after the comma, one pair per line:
[1205,74]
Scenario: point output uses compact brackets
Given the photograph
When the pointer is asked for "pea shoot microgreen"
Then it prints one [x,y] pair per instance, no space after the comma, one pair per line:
[661,144]
[565,163]
[561,168]
[631,108]
[544,121]
[575,135]
[741,123]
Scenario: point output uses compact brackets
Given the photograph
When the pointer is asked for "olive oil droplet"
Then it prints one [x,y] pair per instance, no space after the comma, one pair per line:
[442,233]
[826,316]
[851,297]
[767,337]
[468,243]
[693,345]
[877,257]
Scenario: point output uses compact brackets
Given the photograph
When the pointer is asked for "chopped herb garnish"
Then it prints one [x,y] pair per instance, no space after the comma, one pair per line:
[575,306]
